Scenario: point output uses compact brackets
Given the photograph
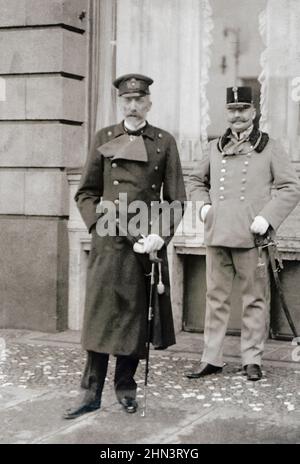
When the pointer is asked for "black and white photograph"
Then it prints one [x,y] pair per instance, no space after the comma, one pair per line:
[149,225]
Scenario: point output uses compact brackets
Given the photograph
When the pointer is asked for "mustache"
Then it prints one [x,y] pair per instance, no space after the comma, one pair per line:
[239,120]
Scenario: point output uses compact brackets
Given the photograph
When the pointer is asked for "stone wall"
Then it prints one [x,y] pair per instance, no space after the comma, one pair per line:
[43,124]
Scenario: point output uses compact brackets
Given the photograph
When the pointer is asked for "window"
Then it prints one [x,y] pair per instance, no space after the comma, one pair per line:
[168,40]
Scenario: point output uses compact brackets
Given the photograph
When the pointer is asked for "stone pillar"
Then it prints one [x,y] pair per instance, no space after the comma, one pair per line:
[43,115]
[79,247]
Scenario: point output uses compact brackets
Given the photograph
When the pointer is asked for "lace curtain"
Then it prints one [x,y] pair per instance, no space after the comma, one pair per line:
[168,40]
[280,30]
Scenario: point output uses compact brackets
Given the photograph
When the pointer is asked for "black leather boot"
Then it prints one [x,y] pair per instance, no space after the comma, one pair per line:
[203,370]
[93,382]
[253,372]
[125,385]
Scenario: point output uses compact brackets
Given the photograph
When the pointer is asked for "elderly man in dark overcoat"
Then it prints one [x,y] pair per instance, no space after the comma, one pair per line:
[140,162]
[234,181]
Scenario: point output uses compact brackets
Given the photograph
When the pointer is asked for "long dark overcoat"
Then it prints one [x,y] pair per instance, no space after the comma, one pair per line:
[117,291]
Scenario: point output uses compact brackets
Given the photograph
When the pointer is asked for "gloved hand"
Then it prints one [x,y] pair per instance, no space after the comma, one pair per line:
[204,211]
[259,225]
[149,244]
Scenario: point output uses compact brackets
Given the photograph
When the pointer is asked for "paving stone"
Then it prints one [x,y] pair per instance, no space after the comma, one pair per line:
[38,380]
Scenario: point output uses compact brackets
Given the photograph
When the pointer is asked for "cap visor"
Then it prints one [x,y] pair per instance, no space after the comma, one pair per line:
[133,94]
[239,105]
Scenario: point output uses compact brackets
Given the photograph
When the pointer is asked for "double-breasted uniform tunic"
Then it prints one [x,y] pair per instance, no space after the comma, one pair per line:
[236,179]
[239,187]
[115,319]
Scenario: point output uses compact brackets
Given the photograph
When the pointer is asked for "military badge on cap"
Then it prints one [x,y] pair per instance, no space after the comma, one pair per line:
[133,83]
[239,96]
[235,94]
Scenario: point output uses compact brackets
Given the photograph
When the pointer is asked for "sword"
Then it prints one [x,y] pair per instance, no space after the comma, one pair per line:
[266,241]
[154,260]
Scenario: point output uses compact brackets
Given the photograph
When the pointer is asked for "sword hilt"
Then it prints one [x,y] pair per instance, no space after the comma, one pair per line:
[154,258]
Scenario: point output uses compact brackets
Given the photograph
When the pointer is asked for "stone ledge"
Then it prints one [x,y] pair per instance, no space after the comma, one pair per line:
[44,97]
[42,51]
[43,12]
[41,144]
[33,192]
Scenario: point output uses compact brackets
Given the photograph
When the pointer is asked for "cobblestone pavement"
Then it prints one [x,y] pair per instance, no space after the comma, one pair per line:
[39,366]
[34,365]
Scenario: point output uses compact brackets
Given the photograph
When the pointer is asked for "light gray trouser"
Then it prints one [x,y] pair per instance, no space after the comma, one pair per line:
[222,264]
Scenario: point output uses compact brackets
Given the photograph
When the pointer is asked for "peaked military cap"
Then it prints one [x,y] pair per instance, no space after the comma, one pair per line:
[133,83]
[238,96]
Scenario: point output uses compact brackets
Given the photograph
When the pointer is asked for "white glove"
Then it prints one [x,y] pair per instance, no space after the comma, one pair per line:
[204,211]
[149,244]
[259,225]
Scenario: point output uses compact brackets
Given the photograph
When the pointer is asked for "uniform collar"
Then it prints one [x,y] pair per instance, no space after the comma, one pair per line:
[119,130]
[256,138]
[137,131]
[126,147]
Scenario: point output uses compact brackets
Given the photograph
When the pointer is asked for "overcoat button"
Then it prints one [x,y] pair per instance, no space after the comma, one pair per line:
[116,202]
[153,186]
[243,180]
[244,171]
[156,168]
[109,133]
[222,197]
[114,165]
[223,161]
[221,188]
[246,163]
[222,179]
[160,135]
[116,182]
[158,150]
[242,198]
[223,170]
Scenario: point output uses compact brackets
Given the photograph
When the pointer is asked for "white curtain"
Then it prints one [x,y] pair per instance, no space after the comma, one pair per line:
[280,30]
[168,40]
